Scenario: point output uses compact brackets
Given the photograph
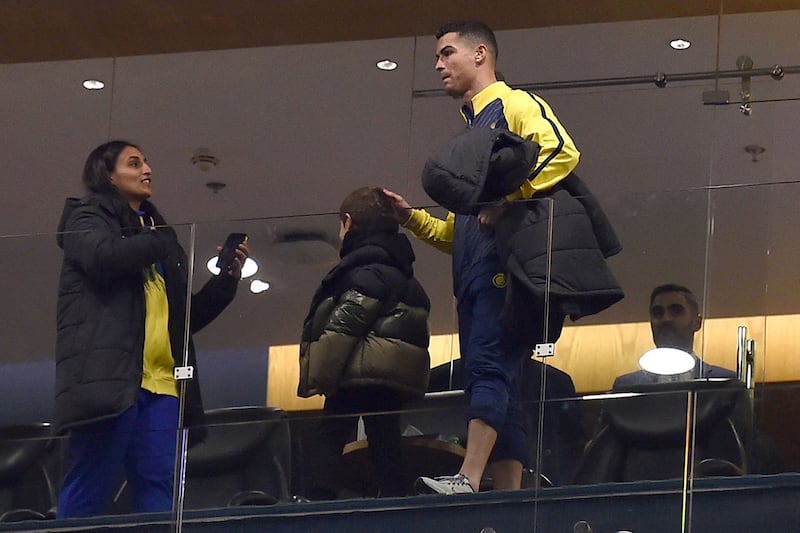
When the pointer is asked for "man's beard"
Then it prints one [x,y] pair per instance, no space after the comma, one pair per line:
[669,337]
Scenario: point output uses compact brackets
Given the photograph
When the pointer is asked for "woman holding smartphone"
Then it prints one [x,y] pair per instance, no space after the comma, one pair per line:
[121,315]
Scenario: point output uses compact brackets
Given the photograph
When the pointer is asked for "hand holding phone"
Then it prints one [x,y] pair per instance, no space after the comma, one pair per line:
[228,252]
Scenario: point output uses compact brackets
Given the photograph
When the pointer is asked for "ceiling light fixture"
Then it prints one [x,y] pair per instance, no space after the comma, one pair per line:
[386,64]
[216,186]
[258,286]
[203,159]
[93,85]
[754,150]
[249,268]
[679,44]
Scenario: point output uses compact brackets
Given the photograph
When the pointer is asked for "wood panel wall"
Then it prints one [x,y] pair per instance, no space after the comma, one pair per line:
[594,355]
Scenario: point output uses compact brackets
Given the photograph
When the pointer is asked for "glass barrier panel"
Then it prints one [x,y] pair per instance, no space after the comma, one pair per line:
[609,465]
[74,412]
[752,306]
[624,430]
[750,299]
[384,452]
[28,327]
[29,472]
[752,285]
[671,454]
[247,357]
[244,459]
[663,236]
[96,484]
[29,468]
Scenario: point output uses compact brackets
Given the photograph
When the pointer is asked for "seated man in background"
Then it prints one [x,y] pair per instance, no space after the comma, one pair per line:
[644,437]
[674,319]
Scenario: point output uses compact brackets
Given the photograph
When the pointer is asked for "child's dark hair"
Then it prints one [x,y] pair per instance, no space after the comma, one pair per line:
[370,210]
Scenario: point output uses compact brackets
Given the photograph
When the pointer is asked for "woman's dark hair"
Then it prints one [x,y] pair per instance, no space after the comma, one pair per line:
[370,209]
[101,164]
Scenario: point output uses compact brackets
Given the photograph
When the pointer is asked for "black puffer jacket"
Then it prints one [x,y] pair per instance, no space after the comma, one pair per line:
[580,283]
[368,321]
[101,308]
[476,166]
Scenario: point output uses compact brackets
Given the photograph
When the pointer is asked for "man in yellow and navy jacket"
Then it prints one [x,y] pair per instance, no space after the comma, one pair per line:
[466,55]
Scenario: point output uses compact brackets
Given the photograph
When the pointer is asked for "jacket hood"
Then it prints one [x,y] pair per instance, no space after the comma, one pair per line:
[69,206]
[108,202]
[395,245]
[115,204]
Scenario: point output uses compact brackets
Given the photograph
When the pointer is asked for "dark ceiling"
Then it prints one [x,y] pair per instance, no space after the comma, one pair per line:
[48,30]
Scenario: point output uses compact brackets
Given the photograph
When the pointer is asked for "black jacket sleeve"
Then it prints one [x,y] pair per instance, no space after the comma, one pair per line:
[96,244]
[211,300]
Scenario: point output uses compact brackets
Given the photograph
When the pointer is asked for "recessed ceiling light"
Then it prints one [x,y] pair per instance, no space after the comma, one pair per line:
[679,44]
[258,286]
[249,268]
[93,85]
[386,64]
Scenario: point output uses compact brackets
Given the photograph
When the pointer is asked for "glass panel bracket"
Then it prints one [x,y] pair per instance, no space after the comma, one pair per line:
[184,373]
[547,349]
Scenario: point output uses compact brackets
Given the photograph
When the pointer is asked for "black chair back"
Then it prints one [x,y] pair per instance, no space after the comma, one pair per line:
[644,437]
[244,460]
[26,490]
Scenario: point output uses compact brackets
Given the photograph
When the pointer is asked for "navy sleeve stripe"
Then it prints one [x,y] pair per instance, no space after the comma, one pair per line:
[558,135]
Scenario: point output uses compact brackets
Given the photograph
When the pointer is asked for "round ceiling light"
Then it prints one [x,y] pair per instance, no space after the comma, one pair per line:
[679,44]
[93,85]
[249,268]
[386,64]
[258,286]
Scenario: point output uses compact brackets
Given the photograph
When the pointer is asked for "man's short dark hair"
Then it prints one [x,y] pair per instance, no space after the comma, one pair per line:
[674,287]
[473,31]
[370,209]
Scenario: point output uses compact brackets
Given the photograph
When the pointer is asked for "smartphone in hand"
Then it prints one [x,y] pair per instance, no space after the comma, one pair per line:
[228,252]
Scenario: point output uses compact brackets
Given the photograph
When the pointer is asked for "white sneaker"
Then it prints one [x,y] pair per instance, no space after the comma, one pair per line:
[457,484]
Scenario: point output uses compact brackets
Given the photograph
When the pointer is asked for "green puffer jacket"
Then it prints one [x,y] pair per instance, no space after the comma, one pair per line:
[368,322]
